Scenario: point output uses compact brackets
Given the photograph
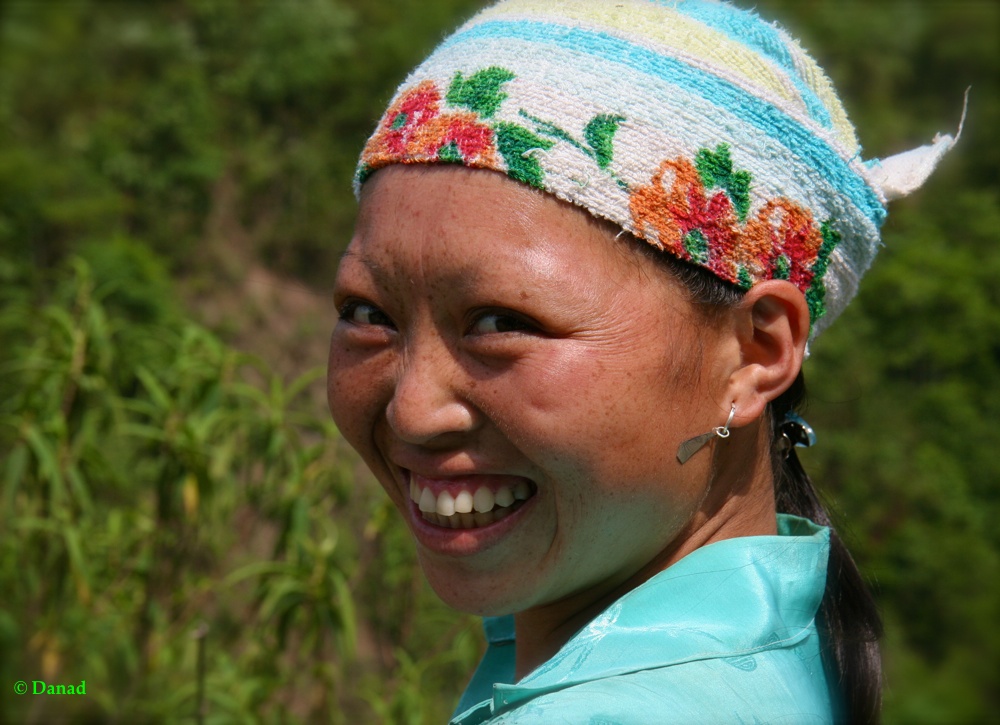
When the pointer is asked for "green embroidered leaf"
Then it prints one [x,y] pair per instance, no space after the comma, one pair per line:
[743,278]
[815,296]
[481,92]
[831,238]
[600,134]
[362,174]
[450,154]
[697,246]
[550,129]
[399,121]
[716,169]
[782,268]
[514,142]
[739,192]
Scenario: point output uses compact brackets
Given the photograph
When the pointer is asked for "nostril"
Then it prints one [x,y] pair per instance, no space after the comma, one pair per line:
[420,414]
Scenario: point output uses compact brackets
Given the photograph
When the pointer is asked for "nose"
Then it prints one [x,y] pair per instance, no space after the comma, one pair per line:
[427,406]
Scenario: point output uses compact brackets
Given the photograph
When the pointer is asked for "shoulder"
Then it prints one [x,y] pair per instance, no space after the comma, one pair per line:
[767,687]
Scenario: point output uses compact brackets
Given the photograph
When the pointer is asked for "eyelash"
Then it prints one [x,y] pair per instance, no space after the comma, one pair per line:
[349,308]
[521,325]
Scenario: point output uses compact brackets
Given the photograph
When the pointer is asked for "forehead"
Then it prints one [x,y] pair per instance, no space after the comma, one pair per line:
[472,224]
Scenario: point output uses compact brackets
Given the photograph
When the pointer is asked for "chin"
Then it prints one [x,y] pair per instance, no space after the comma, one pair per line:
[481,593]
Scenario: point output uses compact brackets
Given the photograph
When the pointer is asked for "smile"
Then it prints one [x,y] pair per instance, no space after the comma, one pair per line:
[466,505]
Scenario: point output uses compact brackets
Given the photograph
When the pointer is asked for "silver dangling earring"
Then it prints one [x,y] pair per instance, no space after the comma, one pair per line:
[689,447]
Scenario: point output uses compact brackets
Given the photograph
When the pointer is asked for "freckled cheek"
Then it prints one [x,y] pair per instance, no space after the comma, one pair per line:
[591,420]
[356,394]
[576,394]
[550,408]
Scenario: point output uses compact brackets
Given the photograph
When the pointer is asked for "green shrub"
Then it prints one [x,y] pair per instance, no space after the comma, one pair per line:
[162,492]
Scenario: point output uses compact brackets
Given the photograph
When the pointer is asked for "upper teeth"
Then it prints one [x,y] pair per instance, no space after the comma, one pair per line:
[464,502]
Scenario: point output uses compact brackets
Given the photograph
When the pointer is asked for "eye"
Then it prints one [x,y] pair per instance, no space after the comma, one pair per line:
[357,312]
[495,322]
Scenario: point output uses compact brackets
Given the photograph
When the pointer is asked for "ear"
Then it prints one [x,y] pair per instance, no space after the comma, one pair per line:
[772,330]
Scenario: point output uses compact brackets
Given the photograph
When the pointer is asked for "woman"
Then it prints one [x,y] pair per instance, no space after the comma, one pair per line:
[593,244]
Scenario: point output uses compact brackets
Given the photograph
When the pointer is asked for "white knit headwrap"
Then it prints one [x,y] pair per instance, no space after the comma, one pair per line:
[691,124]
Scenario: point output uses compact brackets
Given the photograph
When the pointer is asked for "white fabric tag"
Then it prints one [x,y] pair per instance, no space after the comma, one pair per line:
[900,175]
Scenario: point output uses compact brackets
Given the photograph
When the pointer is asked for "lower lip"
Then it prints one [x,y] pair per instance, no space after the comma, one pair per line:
[464,542]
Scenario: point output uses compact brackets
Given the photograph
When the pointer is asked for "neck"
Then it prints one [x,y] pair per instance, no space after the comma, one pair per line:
[739,502]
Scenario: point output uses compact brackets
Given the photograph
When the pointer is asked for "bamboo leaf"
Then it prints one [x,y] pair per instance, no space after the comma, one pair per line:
[257,569]
[140,430]
[302,382]
[156,391]
[81,576]
[17,463]
[282,598]
[346,613]
[78,486]
[47,463]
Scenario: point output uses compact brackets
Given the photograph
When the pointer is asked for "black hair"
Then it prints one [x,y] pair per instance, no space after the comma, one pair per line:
[848,621]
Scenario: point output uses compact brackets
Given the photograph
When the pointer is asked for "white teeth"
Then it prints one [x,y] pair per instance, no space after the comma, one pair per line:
[468,521]
[427,503]
[445,504]
[483,500]
[463,503]
[465,510]
[503,496]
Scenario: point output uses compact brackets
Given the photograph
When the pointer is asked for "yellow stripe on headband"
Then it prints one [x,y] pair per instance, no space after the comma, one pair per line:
[642,22]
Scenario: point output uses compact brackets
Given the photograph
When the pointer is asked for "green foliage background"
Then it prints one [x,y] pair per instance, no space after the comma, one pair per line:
[161,489]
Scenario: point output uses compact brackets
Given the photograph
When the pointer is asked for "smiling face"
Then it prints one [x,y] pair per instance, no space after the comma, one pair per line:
[519,382]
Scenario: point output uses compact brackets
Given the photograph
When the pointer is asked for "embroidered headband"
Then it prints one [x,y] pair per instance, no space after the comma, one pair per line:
[692,124]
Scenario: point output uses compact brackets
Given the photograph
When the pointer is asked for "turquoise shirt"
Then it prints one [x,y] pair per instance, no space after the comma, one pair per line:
[725,635]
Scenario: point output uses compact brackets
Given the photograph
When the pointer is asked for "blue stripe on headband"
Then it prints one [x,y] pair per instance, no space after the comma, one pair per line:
[751,31]
[771,120]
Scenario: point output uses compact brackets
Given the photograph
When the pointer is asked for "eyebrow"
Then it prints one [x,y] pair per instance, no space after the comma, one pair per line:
[463,277]
[380,272]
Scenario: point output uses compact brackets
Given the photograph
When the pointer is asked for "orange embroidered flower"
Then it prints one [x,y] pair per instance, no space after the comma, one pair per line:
[702,225]
[691,224]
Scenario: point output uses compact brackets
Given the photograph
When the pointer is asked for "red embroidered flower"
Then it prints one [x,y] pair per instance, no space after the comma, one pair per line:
[690,223]
[415,128]
[457,137]
[415,108]
[793,242]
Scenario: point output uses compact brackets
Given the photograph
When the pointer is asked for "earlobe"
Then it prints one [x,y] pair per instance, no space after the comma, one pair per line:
[773,331]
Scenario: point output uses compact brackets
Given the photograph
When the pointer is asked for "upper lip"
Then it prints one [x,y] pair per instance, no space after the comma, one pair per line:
[463,475]
[447,467]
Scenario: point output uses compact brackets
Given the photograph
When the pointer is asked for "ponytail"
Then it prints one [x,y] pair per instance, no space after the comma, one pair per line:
[849,622]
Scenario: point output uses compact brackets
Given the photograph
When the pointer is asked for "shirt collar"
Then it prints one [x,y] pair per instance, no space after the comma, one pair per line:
[696,609]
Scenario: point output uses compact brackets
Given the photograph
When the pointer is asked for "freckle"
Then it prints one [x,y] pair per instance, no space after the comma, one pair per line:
[524,295]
